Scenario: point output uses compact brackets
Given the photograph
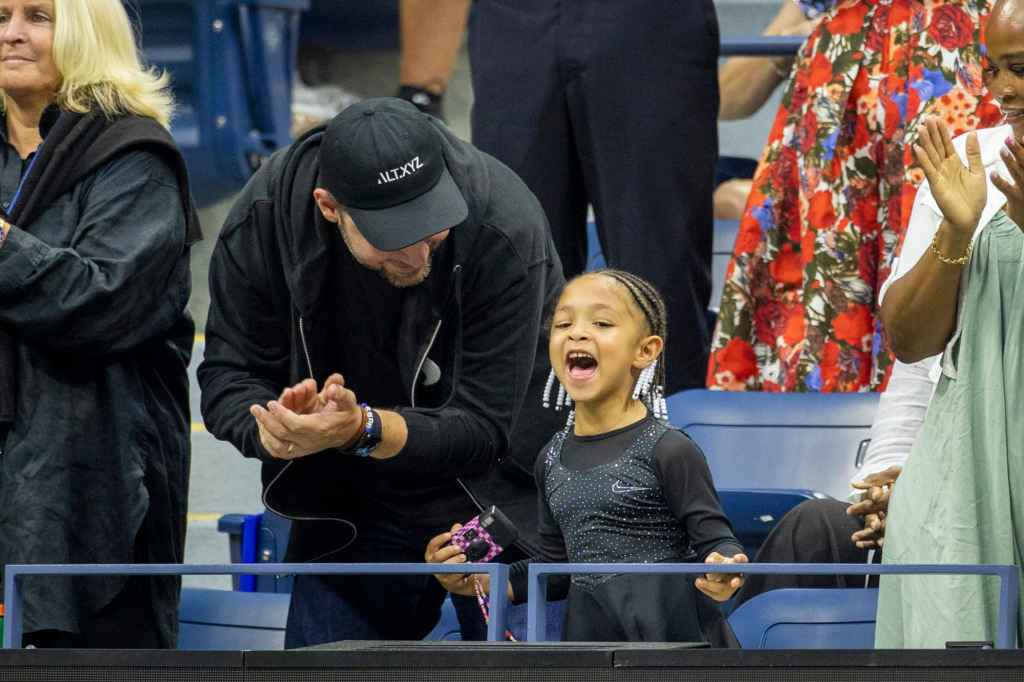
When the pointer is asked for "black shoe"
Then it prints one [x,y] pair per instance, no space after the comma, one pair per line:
[425,101]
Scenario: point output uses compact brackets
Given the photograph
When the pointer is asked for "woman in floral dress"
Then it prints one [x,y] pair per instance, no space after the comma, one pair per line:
[832,195]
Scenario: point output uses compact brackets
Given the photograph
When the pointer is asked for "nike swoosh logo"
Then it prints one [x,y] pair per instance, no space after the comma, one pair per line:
[618,488]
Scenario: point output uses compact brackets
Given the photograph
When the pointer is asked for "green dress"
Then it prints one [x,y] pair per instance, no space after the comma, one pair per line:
[960,498]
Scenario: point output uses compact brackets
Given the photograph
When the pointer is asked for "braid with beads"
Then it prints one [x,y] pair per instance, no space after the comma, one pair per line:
[650,302]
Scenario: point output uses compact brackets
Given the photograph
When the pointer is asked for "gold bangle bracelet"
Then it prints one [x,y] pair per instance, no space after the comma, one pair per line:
[782,73]
[962,260]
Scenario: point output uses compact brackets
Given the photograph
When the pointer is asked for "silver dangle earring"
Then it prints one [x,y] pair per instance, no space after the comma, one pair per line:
[644,381]
[562,399]
[659,403]
[546,396]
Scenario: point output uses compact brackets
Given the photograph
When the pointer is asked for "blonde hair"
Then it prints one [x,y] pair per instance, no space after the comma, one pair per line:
[95,52]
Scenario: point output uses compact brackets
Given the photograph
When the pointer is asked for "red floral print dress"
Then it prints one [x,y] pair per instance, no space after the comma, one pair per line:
[833,192]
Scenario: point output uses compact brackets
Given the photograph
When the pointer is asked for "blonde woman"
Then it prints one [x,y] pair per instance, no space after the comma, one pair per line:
[94,336]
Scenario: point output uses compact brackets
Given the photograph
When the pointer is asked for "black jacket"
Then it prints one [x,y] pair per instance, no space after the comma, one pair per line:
[94,292]
[478,317]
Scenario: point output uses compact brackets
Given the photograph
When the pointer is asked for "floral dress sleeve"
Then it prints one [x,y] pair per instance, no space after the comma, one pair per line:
[814,8]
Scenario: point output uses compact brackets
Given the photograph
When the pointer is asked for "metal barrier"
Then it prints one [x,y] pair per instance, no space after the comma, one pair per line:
[498,574]
[1009,585]
[761,46]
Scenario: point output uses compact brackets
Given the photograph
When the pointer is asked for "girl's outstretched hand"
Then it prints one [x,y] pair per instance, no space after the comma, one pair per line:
[439,551]
[1013,188]
[721,586]
[959,190]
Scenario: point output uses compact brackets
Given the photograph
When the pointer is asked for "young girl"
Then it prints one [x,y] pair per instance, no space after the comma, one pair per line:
[619,484]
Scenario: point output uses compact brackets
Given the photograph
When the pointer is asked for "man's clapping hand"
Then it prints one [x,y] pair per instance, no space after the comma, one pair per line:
[304,420]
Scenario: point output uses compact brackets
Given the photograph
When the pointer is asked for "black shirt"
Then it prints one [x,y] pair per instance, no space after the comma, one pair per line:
[684,486]
[366,328]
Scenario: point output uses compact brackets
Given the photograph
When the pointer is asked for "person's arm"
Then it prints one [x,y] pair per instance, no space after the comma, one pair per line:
[431,32]
[248,346]
[123,278]
[685,479]
[689,491]
[901,410]
[920,309]
[746,83]
[503,302]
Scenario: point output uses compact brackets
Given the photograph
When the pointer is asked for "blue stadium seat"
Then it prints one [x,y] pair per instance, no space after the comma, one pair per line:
[232,64]
[448,627]
[257,538]
[809,441]
[754,513]
[807,619]
[225,620]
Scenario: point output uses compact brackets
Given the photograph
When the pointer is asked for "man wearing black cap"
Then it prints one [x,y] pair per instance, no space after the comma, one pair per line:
[376,302]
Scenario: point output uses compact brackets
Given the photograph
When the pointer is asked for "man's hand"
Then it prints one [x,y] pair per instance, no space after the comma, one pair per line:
[1013,157]
[303,421]
[303,398]
[721,586]
[873,506]
[440,552]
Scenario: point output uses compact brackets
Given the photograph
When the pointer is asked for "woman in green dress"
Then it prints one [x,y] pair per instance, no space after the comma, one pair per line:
[958,289]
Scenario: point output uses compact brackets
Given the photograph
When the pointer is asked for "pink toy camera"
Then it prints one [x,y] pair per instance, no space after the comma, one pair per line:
[485,536]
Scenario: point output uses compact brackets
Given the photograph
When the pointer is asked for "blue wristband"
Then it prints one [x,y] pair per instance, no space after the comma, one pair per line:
[371,436]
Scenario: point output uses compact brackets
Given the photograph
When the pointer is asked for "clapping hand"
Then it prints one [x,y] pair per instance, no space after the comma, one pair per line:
[959,190]
[873,506]
[1013,157]
[721,586]
[303,420]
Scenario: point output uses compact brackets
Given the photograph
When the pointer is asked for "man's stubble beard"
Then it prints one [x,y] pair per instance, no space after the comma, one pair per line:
[396,280]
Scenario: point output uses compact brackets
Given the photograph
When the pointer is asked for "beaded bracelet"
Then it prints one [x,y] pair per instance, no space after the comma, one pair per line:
[962,260]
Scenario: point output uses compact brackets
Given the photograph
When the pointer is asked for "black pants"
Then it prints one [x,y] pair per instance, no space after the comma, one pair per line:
[814,532]
[613,104]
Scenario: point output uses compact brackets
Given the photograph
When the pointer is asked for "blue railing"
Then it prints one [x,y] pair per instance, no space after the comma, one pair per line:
[1009,586]
[761,46]
[498,574]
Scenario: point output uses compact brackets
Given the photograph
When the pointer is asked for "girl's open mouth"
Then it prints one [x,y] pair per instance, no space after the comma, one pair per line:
[581,365]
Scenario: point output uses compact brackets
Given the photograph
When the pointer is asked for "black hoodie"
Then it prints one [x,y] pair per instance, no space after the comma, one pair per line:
[478,317]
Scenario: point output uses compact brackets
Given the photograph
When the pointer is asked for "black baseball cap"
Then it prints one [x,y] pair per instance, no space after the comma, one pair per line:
[383,160]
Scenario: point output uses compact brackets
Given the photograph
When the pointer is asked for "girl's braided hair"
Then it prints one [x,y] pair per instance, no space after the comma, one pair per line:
[650,302]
